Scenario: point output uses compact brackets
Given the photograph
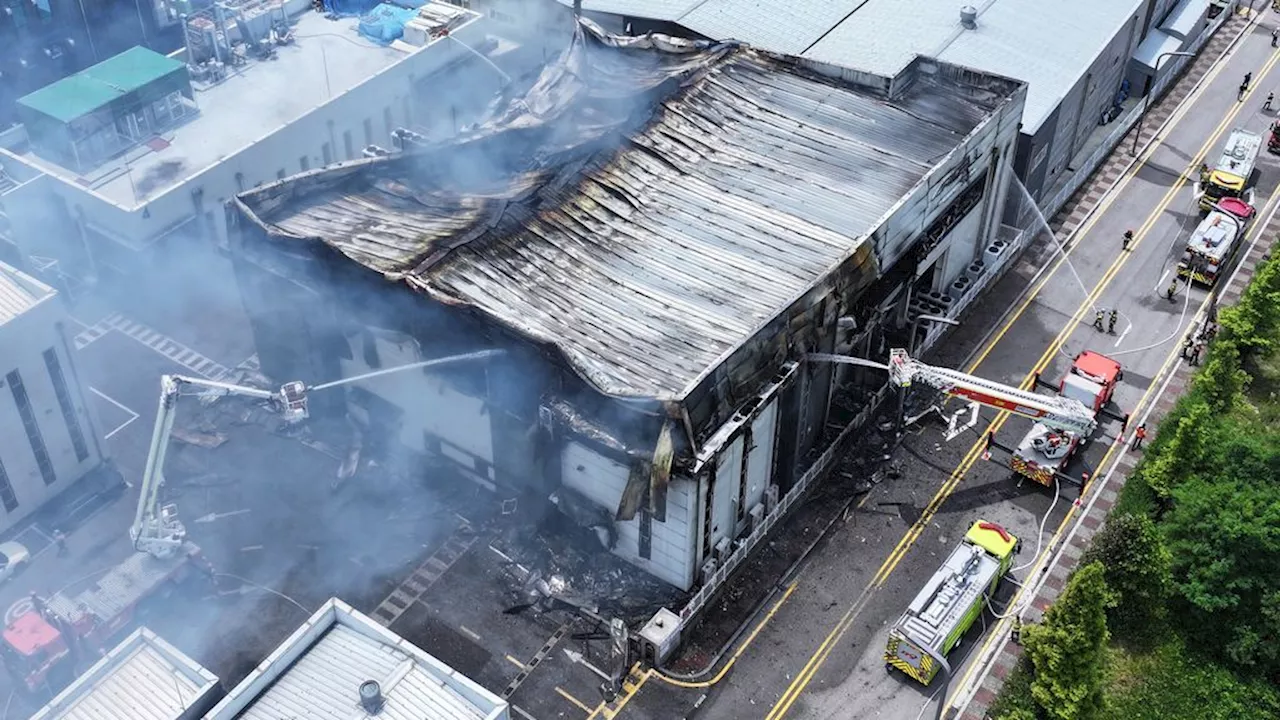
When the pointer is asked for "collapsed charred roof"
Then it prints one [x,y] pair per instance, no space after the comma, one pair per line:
[656,211]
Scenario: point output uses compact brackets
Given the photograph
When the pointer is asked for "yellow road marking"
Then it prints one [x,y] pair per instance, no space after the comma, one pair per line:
[608,713]
[565,694]
[819,657]
[724,670]
[1142,403]
[517,663]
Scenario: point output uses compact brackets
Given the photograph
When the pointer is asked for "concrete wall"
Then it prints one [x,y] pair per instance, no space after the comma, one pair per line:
[436,419]
[670,553]
[23,342]
[1048,152]
[278,151]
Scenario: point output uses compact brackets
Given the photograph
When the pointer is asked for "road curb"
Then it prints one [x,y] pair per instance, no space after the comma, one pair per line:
[1102,498]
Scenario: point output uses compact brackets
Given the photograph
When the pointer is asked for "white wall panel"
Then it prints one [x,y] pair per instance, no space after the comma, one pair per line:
[671,544]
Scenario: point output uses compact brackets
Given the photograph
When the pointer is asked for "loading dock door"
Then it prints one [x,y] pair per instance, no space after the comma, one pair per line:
[760,457]
[724,492]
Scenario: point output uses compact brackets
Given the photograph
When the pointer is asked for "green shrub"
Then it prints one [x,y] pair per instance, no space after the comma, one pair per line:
[1224,535]
[1171,684]
[1068,651]
[1136,565]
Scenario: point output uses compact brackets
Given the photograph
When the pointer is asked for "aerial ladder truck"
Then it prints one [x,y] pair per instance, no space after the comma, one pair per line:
[1062,423]
[44,647]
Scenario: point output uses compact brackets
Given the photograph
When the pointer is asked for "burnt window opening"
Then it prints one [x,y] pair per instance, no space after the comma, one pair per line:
[431,445]
[54,367]
[369,347]
[7,496]
[28,415]
[339,346]
[470,381]
[646,533]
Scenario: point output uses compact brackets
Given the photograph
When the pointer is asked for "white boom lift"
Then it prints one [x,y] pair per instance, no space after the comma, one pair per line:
[1061,413]
[158,531]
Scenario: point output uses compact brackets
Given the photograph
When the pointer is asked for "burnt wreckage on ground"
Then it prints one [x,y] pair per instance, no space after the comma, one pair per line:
[658,232]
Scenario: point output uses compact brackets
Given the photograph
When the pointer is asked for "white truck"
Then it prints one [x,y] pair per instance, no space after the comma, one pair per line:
[1214,242]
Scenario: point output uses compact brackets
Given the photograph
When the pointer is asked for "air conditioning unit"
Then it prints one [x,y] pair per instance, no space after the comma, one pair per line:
[770,499]
[723,548]
[709,570]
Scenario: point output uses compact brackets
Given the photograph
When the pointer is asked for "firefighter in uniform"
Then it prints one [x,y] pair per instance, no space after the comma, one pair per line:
[1111,322]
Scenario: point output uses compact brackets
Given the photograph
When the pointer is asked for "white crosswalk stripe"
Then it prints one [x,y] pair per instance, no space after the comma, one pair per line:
[189,359]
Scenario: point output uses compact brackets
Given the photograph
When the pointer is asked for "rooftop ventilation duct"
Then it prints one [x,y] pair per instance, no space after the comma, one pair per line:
[371,697]
[969,17]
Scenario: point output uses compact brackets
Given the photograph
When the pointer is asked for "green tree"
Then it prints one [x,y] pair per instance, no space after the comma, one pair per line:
[1253,322]
[1069,649]
[1137,571]
[1220,383]
[1173,460]
[1224,537]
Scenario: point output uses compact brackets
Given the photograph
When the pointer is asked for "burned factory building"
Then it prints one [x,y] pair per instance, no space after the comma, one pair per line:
[656,233]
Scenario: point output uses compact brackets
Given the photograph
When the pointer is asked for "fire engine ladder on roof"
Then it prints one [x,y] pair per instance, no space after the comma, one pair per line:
[1056,411]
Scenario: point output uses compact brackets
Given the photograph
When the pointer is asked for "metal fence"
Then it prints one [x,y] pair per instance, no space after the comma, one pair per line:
[1174,70]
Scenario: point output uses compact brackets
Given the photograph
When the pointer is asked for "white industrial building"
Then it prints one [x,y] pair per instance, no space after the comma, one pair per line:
[1074,56]
[341,665]
[142,678]
[657,233]
[134,156]
[51,436]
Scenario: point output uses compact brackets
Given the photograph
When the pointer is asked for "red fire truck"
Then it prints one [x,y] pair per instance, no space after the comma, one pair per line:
[62,634]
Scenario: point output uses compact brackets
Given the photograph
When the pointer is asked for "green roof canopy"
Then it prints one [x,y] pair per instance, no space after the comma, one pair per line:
[96,86]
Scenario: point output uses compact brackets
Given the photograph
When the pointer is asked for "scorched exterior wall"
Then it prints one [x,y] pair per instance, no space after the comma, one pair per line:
[746,428]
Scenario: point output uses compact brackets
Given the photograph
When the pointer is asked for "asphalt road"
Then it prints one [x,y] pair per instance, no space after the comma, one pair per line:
[819,656]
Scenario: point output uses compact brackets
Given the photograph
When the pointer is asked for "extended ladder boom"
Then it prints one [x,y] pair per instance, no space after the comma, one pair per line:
[1059,412]
[159,532]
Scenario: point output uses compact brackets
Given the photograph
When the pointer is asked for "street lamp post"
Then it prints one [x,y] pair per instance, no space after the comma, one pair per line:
[1146,101]
[911,352]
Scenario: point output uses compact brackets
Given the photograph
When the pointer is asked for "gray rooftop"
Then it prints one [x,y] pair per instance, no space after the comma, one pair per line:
[317,672]
[19,292]
[328,58]
[1047,43]
[741,182]
[142,678]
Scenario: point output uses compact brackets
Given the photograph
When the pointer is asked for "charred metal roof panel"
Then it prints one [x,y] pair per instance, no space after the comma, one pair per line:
[142,678]
[316,674]
[648,250]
